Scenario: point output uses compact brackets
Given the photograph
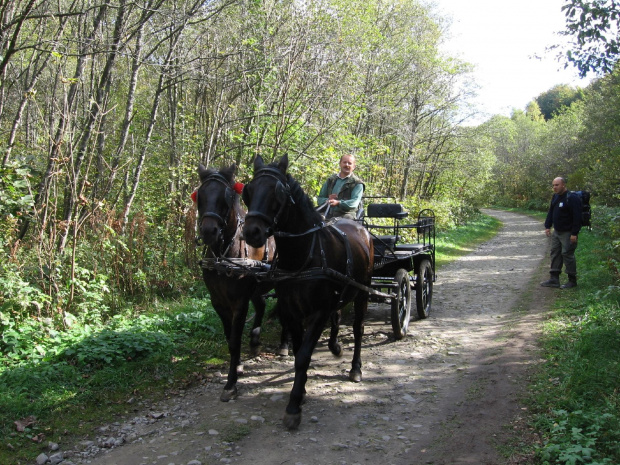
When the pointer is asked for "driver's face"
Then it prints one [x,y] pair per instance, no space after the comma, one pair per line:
[347,164]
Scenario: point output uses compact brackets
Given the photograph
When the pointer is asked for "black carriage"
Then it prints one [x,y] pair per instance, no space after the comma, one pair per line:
[402,270]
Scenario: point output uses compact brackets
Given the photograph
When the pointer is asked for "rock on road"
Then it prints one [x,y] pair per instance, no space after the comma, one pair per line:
[448,393]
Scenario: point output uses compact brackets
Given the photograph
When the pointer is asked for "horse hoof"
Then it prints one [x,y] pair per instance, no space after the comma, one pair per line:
[240,369]
[336,349]
[228,394]
[255,350]
[355,376]
[292,421]
[282,351]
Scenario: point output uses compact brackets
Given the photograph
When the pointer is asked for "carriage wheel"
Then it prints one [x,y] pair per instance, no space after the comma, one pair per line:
[424,288]
[401,304]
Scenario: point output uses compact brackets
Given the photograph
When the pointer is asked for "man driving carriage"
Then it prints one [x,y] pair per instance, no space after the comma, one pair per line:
[341,194]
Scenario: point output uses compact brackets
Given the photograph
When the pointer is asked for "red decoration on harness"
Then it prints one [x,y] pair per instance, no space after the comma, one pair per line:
[194,195]
[238,187]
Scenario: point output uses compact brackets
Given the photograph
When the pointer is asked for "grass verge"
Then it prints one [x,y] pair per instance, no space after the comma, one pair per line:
[575,396]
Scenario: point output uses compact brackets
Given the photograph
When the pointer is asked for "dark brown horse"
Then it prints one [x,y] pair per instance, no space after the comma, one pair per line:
[220,218]
[316,269]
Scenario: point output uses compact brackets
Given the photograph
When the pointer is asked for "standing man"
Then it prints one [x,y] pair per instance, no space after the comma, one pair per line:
[342,191]
[565,217]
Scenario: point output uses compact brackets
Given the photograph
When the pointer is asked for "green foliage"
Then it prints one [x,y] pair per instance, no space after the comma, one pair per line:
[89,372]
[113,347]
[576,393]
[571,444]
[594,26]
[599,151]
[14,190]
[18,297]
[580,143]
[521,172]
[553,101]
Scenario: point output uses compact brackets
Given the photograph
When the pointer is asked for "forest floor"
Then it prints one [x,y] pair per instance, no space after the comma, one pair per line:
[448,393]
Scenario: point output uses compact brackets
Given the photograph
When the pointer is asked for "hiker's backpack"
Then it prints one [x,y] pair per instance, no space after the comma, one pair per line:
[586,215]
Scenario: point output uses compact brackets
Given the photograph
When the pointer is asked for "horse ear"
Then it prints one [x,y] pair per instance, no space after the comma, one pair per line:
[258,163]
[229,173]
[283,163]
[202,171]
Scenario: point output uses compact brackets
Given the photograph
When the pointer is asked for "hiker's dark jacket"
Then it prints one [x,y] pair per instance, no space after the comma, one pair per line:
[565,213]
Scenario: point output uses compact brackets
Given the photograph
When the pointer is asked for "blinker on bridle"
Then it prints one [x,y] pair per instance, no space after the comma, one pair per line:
[283,197]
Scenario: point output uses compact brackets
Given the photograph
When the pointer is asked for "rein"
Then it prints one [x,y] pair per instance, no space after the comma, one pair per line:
[284,198]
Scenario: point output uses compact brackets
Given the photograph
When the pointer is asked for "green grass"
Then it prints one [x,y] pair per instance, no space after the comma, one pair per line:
[576,394]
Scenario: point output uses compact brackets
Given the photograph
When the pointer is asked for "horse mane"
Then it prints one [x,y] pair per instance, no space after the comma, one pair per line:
[302,200]
[305,204]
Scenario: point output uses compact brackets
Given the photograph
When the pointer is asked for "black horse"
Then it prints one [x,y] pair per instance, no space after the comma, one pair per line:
[220,218]
[319,268]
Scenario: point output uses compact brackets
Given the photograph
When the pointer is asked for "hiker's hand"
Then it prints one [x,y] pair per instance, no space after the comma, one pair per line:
[548,232]
[573,239]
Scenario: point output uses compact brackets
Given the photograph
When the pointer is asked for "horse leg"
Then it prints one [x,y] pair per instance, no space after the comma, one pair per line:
[360,306]
[292,415]
[333,344]
[296,331]
[259,307]
[234,347]
[282,350]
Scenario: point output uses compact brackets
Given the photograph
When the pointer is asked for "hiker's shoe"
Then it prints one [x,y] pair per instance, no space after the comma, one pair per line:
[569,285]
[552,282]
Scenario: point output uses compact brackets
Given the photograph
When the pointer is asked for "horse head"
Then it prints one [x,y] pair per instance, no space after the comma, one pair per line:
[215,199]
[267,197]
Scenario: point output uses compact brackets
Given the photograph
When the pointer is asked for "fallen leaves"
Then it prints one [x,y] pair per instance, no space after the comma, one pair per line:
[21,425]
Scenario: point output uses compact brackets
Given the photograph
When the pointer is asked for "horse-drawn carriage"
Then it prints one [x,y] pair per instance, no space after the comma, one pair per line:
[402,269]
[318,267]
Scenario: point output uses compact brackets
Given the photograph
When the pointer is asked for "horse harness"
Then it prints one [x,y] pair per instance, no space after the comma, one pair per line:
[284,198]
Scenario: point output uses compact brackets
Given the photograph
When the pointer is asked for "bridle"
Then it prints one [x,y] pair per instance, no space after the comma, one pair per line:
[229,198]
[282,194]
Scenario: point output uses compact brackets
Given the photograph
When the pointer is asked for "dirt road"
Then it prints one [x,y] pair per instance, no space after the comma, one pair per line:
[446,394]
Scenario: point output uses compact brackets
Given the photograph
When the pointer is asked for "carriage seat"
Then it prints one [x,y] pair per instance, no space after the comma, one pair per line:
[386,210]
[384,243]
[409,248]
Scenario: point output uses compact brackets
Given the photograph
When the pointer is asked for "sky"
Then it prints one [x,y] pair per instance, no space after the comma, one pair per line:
[501,37]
